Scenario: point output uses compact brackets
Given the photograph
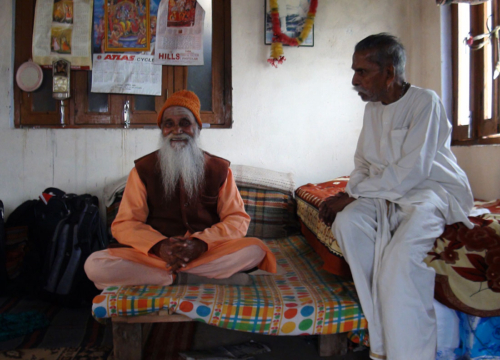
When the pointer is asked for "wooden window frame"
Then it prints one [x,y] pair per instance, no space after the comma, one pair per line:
[174,78]
[480,131]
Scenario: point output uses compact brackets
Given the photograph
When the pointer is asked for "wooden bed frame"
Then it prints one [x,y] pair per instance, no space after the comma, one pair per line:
[130,335]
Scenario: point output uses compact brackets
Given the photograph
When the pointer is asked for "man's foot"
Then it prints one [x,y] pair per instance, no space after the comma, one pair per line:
[184,278]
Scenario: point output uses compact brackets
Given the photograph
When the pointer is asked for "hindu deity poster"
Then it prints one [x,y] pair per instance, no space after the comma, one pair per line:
[181,13]
[100,27]
[127,25]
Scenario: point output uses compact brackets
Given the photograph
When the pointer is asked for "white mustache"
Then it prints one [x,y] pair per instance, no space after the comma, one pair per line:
[359,89]
[177,137]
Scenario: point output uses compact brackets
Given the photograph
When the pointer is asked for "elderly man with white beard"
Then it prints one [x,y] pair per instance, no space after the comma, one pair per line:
[181,219]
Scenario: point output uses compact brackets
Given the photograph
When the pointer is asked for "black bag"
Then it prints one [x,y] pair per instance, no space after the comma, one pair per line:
[72,229]
[24,251]
[64,229]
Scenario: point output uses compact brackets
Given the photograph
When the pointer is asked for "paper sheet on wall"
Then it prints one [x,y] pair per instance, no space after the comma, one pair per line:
[126,74]
[62,30]
[179,33]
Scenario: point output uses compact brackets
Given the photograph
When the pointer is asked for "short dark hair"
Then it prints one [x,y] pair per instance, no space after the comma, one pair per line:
[388,49]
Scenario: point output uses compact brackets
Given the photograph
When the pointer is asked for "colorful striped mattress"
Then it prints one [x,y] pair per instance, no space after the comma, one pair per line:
[304,300]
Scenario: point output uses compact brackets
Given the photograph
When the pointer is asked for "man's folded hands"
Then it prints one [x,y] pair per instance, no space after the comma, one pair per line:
[177,252]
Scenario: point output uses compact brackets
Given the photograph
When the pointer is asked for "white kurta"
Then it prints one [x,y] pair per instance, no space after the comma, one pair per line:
[408,185]
[404,156]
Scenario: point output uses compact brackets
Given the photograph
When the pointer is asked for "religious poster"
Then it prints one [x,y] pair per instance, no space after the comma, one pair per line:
[179,34]
[181,13]
[126,74]
[100,26]
[126,25]
[293,15]
[62,29]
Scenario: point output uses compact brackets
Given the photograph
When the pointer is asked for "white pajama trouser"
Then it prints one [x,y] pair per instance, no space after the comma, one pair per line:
[385,245]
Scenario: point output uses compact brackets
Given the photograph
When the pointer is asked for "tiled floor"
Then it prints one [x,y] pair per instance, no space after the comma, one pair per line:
[282,347]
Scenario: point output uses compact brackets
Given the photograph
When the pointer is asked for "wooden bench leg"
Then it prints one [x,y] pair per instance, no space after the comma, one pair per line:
[131,333]
[332,344]
[127,341]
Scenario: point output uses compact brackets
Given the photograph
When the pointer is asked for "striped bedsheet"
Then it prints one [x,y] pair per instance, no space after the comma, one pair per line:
[272,212]
[304,300]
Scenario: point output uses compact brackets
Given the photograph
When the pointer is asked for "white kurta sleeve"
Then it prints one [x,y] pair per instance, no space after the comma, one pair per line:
[361,168]
[419,146]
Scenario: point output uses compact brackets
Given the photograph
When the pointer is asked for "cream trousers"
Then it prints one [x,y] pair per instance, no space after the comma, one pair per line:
[385,245]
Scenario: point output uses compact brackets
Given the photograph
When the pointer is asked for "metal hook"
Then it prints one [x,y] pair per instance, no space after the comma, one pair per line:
[126,114]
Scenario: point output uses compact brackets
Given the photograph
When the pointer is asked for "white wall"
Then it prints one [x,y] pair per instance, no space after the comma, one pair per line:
[482,165]
[302,117]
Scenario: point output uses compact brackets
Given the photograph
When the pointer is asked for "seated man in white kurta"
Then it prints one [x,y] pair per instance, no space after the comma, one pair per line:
[405,187]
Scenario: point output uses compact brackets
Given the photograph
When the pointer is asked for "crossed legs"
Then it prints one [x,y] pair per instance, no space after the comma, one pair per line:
[105,269]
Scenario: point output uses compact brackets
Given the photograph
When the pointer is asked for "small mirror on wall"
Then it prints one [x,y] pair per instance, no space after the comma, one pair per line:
[29,76]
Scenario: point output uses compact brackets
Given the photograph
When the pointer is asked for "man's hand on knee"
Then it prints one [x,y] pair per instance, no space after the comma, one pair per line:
[332,205]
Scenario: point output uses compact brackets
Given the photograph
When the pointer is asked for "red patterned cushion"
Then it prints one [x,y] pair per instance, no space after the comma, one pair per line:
[320,237]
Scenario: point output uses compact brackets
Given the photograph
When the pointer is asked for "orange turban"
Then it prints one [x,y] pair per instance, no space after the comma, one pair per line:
[184,98]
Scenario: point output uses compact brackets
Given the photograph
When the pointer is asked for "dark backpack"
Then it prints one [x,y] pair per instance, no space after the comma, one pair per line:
[64,229]
[24,251]
[77,234]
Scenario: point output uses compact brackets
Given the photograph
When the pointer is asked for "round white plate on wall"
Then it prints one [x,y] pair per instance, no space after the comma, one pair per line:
[29,76]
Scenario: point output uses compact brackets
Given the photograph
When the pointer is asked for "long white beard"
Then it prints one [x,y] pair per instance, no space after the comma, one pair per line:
[186,163]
